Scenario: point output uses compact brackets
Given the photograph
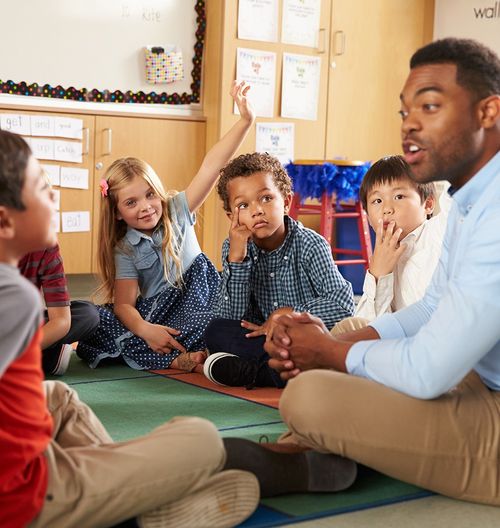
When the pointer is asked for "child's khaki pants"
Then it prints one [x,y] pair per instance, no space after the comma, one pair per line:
[94,482]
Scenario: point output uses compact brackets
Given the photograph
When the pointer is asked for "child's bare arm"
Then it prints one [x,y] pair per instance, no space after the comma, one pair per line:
[159,338]
[222,151]
[57,326]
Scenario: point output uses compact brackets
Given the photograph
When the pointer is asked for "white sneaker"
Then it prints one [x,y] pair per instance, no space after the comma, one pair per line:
[63,360]
[226,500]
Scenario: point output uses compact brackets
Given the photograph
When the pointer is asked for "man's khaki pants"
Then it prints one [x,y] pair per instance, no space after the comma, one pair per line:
[450,445]
[94,482]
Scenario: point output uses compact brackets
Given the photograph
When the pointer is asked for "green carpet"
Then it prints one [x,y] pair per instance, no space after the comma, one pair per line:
[131,403]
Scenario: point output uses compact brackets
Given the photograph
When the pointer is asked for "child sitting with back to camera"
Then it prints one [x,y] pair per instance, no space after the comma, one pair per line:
[272,265]
[408,238]
[148,245]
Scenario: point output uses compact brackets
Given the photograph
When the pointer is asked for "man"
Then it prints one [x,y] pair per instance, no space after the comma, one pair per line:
[416,395]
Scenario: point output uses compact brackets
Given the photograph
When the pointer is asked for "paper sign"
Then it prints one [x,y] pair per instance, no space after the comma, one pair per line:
[300,93]
[16,123]
[258,69]
[74,178]
[57,198]
[75,221]
[300,24]
[42,148]
[53,173]
[42,125]
[258,20]
[68,127]
[67,151]
[277,139]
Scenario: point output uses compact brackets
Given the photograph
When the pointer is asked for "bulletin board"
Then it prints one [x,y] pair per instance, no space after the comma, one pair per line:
[94,50]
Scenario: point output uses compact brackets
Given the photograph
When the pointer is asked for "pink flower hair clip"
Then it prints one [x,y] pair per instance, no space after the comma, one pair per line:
[103,184]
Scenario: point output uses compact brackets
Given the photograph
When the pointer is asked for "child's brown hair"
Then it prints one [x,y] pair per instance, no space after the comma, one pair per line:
[14,157]
[248,164]
[388,170]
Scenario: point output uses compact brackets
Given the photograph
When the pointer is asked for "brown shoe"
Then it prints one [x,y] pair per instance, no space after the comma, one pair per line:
[279,473]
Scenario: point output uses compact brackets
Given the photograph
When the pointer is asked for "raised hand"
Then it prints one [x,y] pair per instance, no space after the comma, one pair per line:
[387,250]
[239,92]
[238,238]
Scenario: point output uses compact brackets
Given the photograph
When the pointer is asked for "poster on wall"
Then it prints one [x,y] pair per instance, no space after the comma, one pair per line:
[276,139]
[300,23]
[300,92]
[475,19]
[258,69]
[258,20]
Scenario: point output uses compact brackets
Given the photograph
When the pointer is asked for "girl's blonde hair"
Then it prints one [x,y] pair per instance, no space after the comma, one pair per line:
[111,230]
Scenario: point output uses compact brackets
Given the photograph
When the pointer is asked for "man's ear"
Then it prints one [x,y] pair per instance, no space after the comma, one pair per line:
[229,214]
[7,230]
[489,111]
[288,202]
[429,205]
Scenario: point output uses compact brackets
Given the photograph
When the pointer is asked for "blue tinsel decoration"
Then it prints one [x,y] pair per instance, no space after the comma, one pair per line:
[311,181]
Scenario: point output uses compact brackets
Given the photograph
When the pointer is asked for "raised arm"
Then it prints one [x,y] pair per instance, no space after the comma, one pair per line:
[201,185]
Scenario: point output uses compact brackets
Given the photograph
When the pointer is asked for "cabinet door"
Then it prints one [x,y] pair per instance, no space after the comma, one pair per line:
[174,148]
[76,247]
[371,46]
[220,60]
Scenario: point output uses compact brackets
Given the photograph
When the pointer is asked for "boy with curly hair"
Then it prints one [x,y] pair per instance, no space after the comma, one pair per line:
[271,265]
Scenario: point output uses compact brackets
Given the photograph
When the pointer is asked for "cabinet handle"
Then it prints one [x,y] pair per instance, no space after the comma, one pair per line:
[321,40]
[109,133]
[338,43]
[86,144]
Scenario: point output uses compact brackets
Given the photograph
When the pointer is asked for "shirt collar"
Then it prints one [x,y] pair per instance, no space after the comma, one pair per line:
[291,227]
[470,193]
[133,236]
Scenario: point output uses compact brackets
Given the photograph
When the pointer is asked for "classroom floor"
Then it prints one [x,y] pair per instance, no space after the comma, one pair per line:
[426,512]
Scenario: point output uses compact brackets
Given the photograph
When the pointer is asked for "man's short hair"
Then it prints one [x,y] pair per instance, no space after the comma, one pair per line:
[248,164]
[14,156]
[478,67]
[389,170]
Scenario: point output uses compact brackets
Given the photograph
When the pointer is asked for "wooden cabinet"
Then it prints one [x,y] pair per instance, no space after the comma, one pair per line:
[371,46]
[220,71]
[365,47]
[173,147]
[76,248]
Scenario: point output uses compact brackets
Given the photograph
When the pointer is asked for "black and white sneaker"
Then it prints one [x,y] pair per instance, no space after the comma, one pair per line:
[55,363]
[232,371]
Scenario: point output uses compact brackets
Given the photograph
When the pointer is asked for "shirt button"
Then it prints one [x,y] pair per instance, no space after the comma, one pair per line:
[271,274]
[275,303]
[285,258]
[255,258]
[226,297]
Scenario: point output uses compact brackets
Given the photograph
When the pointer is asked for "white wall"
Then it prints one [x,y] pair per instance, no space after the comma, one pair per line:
[477,19]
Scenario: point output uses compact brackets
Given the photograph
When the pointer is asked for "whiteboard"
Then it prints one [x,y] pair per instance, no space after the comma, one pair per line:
[475,19]
[94,44]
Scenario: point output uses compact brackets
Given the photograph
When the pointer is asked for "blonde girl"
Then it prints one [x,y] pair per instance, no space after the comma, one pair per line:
[153,271]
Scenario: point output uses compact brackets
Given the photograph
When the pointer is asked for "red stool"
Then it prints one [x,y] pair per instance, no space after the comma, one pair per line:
[330,211]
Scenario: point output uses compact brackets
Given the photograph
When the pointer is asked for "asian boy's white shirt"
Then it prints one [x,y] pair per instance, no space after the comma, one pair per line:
[413,272]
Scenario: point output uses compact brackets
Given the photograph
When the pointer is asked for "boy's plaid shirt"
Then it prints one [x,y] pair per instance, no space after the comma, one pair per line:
[300,273]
